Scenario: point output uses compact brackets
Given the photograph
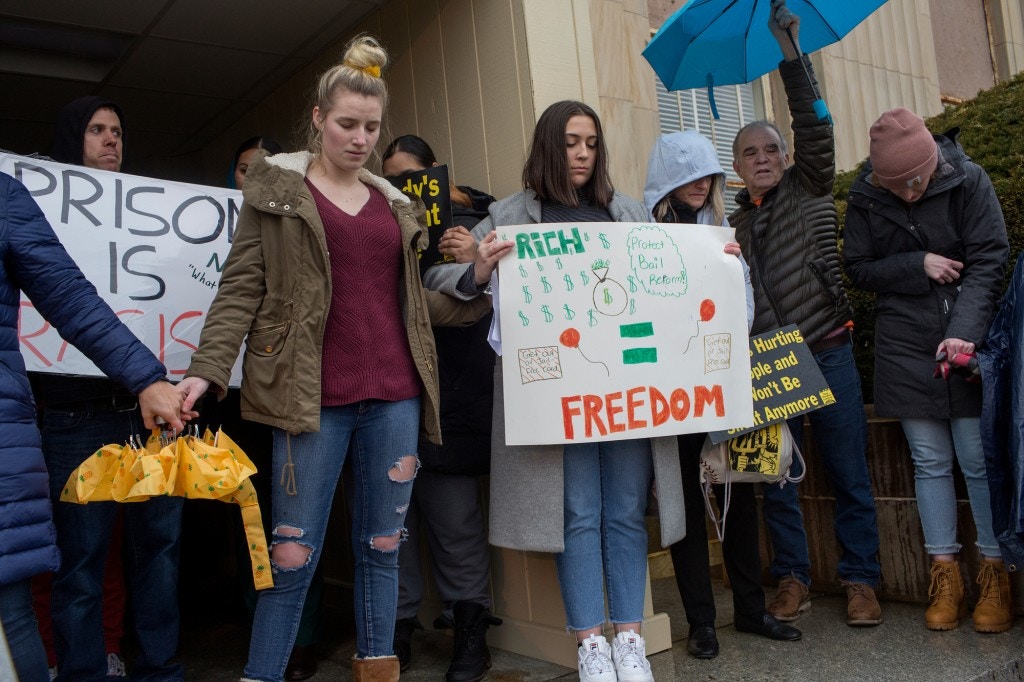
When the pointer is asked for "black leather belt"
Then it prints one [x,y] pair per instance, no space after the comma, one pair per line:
[98,405]
[829,342]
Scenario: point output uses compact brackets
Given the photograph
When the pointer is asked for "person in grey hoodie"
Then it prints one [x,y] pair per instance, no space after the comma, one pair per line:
[686,184]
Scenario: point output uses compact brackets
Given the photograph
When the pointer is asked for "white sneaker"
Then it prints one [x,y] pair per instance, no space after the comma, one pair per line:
[595,660]
[630,658]
[53,673]
[115,666]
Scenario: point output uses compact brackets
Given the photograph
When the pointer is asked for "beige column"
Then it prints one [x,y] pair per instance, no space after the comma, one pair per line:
[1007,25]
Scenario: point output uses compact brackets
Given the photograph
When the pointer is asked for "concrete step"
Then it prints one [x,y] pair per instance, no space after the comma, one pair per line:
[900,649]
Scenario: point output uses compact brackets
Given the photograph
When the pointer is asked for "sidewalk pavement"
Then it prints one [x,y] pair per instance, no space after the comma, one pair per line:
[900,649]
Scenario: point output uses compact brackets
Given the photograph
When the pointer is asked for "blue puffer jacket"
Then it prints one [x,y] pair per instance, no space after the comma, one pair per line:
[1002,418]
[32,259]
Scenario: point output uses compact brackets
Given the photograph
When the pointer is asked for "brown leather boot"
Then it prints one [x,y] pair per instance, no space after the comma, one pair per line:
[383,669]
[862,607]
[791,599]
[994,612]
[946,593]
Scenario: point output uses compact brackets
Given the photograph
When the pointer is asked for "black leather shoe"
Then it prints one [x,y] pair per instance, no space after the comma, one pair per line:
[702,642]
[766,626]
[302,664]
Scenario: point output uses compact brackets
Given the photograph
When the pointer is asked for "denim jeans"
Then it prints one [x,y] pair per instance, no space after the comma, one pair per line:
[152,534]
[606,486]
[380,436]
[19,625]
[840,432]
[933,443]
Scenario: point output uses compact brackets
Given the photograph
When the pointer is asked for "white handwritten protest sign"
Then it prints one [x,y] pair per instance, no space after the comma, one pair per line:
[154,249]
[621,330]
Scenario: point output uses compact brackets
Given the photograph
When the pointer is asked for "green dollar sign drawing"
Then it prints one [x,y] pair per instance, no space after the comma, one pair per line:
[547,313]
[591,318]
[604,240]
[527,296]
[569,312]
[522,270]
[524,319]
[632,284]
[607,296]
[540,268]
[632,306]
[583,276]
[546,284]
[569,286]
[558,262]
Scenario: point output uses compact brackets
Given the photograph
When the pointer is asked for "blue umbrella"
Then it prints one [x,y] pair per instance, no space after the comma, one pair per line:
[725,42]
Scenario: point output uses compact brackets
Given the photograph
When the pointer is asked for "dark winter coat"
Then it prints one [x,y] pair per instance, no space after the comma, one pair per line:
[884,245]
[789,241]
[466,374]
[32,260]
[1002,418]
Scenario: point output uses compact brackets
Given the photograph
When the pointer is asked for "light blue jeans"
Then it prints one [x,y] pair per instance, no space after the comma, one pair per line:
[606,486]
[382,438]
[933,443]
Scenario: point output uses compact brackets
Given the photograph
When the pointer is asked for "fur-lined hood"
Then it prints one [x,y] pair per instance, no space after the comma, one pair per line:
[300,161]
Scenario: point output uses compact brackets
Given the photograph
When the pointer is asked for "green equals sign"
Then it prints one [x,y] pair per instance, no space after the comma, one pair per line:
[636,356]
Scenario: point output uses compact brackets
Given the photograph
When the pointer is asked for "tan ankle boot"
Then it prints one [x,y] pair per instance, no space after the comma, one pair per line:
[994,612]
[946,593]
[383,669]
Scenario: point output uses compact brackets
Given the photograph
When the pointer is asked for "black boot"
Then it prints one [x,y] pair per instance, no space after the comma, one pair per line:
[470,655]
[403,640]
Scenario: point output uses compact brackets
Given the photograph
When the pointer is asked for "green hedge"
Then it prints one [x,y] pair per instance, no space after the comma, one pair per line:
[992,134]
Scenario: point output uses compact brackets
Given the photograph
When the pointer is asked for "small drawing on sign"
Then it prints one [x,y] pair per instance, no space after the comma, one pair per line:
[540,363]
[717,351]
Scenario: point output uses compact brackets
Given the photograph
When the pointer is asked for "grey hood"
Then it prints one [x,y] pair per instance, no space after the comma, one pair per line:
[678,158]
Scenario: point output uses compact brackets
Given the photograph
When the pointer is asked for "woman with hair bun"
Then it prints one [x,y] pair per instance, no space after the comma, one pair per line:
[322,284]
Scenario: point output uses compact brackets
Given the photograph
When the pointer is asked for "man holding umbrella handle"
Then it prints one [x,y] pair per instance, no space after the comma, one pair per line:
[786,226]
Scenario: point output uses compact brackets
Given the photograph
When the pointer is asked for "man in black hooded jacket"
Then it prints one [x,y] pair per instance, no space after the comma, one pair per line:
[78,415]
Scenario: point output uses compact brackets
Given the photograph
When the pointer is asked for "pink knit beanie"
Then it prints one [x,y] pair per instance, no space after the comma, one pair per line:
[902,149]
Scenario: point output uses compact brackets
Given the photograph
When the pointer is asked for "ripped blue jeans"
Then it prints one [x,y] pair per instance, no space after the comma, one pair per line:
[381,438]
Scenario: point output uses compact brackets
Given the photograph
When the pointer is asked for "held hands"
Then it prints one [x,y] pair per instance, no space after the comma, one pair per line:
[161,399]
[941,269]
[488,253]
[458,243]
[191,389]
[780,19]
[732,248]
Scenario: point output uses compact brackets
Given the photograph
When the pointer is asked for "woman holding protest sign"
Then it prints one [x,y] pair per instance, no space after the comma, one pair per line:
[686,185]
[446,497]
[323,285]
[584,502]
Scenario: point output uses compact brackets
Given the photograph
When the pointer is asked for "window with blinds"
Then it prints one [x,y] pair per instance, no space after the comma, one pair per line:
[690,110]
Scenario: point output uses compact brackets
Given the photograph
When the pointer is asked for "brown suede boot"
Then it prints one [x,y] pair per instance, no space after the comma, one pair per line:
[946,593]
[383,669]
[994,612]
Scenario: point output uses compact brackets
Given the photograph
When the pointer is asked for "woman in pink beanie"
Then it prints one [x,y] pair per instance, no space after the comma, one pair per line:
[925,232]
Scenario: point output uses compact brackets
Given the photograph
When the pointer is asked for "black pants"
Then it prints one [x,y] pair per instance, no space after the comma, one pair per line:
[739,549]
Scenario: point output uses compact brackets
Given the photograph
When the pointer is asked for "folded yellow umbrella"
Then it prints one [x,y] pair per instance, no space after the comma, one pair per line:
[213,468]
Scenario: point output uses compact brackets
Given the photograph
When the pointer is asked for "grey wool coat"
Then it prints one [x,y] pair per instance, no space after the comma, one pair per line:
[527,489]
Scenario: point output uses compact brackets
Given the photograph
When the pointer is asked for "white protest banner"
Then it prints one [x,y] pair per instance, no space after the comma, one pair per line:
[621,330]
[154,249]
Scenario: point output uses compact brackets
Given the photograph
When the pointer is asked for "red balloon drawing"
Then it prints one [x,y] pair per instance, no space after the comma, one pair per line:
[570,338]
[707,309]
